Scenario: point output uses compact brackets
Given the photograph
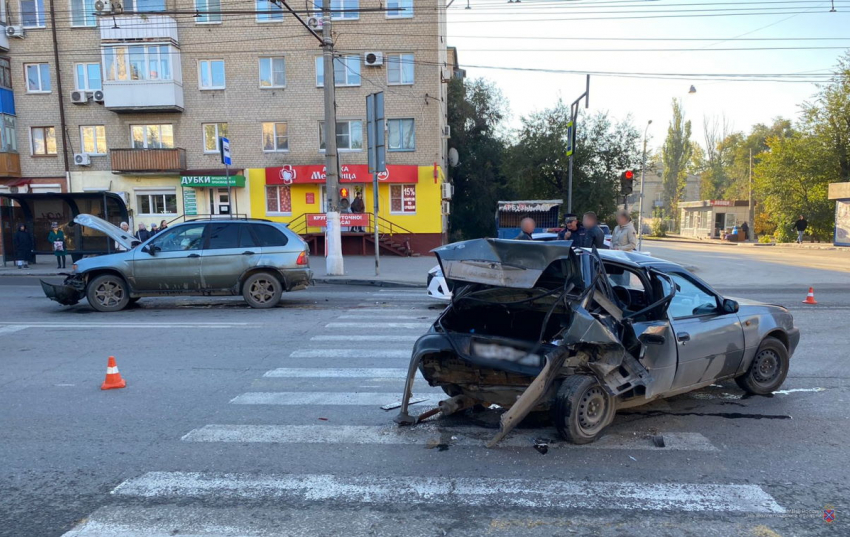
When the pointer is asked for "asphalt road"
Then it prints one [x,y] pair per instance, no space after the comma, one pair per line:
[268,422]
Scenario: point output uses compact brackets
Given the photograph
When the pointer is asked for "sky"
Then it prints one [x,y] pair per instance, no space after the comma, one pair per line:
[496,33]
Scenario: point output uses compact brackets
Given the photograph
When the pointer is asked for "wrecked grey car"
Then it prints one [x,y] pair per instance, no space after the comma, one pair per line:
[254,258]
[547,327]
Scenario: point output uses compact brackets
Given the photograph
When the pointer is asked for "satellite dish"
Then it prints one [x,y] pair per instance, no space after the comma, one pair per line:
[454,158]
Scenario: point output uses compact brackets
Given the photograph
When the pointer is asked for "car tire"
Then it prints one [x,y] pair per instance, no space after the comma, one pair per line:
[262,290]
[108,293]
[768,370]
[582,409]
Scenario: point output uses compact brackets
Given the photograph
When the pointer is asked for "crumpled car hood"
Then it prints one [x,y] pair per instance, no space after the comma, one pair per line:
[124,238]
[501,262]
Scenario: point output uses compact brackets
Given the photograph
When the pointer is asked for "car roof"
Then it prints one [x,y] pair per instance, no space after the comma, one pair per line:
[635,259]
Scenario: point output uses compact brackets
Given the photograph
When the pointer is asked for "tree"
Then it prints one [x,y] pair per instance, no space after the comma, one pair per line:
[539,166]
[828,117]
[476,109]
[676,154]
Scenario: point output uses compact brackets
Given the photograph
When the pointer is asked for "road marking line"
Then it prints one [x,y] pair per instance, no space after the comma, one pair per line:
[429,433]
[393,316]
[12,329]
[376,399]
[354,337]
[475,492]
[377,325]
[351,353]
[392,311]
[350,373]
[89,326]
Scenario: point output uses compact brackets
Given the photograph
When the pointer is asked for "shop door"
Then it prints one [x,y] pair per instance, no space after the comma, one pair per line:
[719,222]
[219,201]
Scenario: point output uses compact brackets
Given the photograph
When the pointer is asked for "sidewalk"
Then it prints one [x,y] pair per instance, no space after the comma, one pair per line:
[718,242]
[45,266]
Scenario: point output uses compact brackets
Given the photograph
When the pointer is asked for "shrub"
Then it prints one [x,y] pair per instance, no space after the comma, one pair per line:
[658,228]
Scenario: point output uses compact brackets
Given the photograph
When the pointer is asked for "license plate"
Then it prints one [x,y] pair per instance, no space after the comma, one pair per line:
[498,352]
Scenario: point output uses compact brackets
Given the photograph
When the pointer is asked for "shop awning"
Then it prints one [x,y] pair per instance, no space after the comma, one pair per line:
[348,173]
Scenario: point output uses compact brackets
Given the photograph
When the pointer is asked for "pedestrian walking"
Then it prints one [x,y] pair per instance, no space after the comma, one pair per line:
[800,225]
[624,236]
[143,234]
[23,243]
[56,237]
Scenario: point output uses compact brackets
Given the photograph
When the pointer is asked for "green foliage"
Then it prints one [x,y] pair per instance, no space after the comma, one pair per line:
[676,154]
[766,239]
[658,228]
[476,109]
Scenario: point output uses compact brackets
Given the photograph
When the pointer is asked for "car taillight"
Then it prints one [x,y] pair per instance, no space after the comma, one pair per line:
[302,259]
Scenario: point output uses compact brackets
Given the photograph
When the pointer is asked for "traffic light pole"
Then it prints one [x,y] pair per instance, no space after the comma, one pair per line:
[573,117]
[334,263]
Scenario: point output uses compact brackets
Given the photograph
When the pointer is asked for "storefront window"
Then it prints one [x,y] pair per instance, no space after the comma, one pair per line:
[402,199]
[278,199]
[157,202]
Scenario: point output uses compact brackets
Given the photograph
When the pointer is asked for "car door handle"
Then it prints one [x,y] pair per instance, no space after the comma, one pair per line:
[683,337]
[248,252]
[194,255]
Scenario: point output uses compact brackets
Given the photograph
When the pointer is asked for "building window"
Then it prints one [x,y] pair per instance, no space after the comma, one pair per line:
[32,13]
[346,71]
[349,135]
[138,62]
[268,12]
[211,74]
[399,9]
[340,9]
[82,13]
[278,200]
[400,68]
[5,73]
[272,72]
[163,202]
[93,139]
[144,6]
[88,76]
[9,142]
[402,199]
[152,136]
[43,141]
[212,131]
[208,11]
[402,135]
[275,137]
[38,77]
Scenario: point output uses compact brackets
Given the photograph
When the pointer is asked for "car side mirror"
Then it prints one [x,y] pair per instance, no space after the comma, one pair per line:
[730,306]
[149,249]
[652,339]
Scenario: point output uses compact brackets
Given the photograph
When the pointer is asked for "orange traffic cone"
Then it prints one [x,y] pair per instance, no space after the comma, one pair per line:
[113,377]
[810,298]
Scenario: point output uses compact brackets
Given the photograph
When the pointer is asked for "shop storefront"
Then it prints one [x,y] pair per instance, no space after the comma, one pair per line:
[211,194]
[410,205]
[712,218]
[840,192]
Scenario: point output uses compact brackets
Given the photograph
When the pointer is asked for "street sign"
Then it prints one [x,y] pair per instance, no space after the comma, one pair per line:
[571,138]
[376,137]
[224,148]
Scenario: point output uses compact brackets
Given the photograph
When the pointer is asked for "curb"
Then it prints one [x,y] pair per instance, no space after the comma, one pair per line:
[373,283]
[688,241]
[30,275]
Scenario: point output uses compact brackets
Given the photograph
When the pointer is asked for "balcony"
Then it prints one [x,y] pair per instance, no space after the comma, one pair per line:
[10,165]
[138,28]
[147,160]
[143,96]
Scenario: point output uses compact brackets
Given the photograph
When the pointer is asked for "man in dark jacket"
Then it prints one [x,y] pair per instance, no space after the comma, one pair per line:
[571,227]
[526,227]
[143,234]
[23,243]
[800,225]
[357,206]
[589,235]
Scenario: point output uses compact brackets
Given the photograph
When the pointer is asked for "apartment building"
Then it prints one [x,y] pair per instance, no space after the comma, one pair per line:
[148,87]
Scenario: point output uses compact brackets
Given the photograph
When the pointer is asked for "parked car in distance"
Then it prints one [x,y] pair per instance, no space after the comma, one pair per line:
[254,258]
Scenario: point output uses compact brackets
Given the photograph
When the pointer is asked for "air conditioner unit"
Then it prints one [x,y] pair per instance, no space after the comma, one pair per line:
[15,31]
[447,191]
[447,208]
[79,97]
[447,131]
[98,96]
[315,23]
[373,59]
[82,159]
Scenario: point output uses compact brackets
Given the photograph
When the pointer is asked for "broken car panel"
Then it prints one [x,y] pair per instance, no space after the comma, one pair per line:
[546,327]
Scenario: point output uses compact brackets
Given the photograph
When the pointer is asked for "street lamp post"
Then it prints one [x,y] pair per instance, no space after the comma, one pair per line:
[572,142]
[642,181]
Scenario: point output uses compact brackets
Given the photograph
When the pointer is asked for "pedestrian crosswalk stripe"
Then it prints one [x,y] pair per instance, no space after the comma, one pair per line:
[351,353]
[376,399]
[367,337]
[342,372]
[432,434]
[380,325]
[463,491]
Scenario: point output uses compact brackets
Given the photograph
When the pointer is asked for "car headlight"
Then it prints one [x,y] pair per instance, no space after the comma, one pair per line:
[74,267]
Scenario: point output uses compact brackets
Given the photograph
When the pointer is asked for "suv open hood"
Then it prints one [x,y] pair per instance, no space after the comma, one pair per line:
[124,238]
[501,262]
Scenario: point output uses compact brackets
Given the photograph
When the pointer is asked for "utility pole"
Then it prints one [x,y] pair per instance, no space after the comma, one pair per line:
[334,263]
[750,215]
[572,142]
[642,181]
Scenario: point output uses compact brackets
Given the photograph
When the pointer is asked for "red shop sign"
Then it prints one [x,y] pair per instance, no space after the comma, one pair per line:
[345,219]
[349,173]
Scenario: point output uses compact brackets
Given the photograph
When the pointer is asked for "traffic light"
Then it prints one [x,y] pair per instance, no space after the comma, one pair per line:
[343,193]
[627,181]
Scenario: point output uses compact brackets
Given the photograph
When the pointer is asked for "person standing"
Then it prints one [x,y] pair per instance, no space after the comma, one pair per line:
[745,229]
[624,237]
[56,237]
[526,228]
[800,225]
[125,227]
[23,243]
[571,227]
[163,225]
[589,235]
[357,206]
[143,234]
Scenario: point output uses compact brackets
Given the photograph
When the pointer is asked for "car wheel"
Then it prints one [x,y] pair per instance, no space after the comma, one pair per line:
[262,290]
[582,409]
[108,293]
[768,370]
